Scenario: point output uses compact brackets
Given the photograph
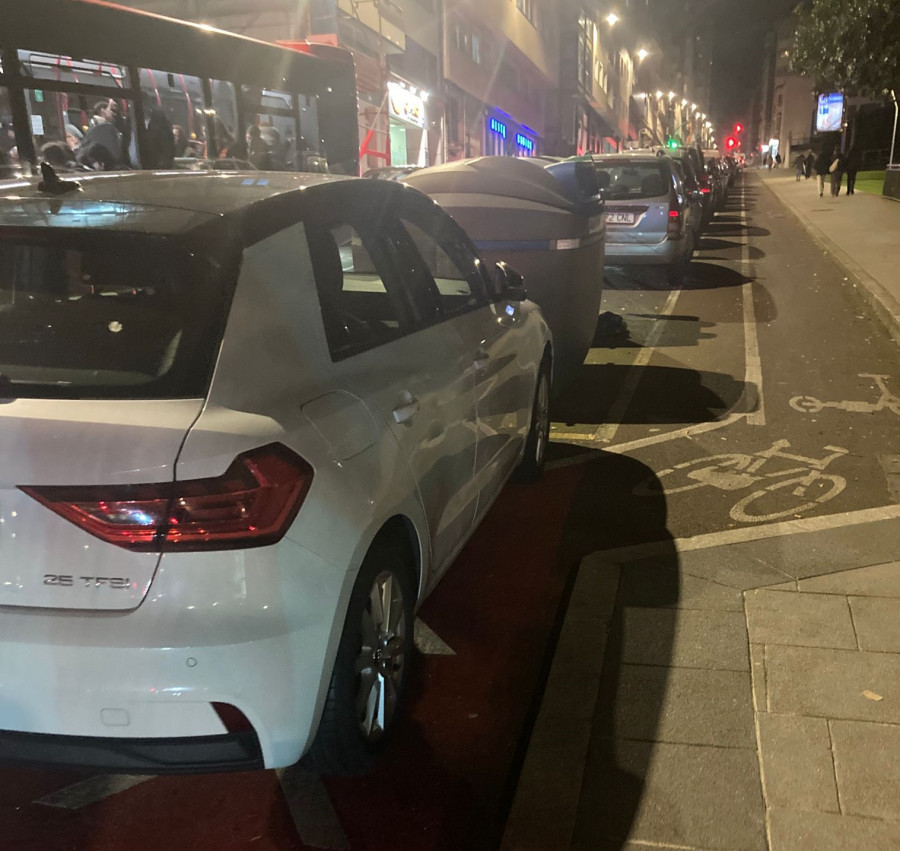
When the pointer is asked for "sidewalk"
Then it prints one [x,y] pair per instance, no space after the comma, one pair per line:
[741,692]
[861,231]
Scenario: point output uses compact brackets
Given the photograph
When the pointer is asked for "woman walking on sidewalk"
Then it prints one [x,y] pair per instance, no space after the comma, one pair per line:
[823,162]
[836,169]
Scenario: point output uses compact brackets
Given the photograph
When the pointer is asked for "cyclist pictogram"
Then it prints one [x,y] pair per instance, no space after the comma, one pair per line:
[811,405]
[795,490]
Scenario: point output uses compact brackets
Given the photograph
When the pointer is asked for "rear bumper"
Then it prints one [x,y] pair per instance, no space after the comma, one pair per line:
[656,254]
[183,755]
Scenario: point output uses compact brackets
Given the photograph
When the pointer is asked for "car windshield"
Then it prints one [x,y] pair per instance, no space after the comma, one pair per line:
[105,315]
[635,180]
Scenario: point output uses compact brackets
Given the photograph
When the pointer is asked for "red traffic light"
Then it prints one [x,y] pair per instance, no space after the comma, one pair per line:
[738,128]
[730,142]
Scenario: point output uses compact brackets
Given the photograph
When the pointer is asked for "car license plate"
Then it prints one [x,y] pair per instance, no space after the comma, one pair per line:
[620,218]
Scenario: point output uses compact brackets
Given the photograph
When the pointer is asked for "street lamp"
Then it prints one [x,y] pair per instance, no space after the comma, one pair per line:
[612,19]
[642,54]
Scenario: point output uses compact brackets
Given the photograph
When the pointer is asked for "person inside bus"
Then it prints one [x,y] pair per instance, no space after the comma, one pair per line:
[58,154]
[160,141]
[101,147]
[257,149]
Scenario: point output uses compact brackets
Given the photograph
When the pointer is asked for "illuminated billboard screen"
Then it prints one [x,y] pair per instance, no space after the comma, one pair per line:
[830,117]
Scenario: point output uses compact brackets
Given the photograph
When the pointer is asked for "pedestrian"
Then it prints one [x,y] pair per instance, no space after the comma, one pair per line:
[778,160]
[822,164]
[810,160]
[853,162]
[101,146]
[800,165]
[836,170]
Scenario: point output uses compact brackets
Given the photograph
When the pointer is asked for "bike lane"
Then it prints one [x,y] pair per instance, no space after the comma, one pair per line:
[826,442]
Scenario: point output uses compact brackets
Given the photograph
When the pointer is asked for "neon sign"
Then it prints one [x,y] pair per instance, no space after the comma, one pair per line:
[524,142]
[498,127]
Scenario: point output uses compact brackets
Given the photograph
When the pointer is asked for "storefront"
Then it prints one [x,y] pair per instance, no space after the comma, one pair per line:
[408,114]
[507,138]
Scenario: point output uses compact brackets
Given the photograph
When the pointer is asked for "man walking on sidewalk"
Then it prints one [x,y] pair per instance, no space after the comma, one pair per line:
[854,160]
[823,163]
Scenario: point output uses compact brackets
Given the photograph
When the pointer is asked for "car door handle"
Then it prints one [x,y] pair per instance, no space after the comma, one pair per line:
[481,359]
[407,411]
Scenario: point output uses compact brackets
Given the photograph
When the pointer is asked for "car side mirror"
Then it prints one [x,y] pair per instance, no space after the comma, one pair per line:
[508,283]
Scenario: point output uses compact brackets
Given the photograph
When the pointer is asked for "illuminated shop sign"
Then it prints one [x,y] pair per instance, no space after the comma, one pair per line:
[498,127]
[406,106]
[524,142]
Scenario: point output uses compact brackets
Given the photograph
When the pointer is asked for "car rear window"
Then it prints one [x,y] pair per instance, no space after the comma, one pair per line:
[106,315]
[635,180]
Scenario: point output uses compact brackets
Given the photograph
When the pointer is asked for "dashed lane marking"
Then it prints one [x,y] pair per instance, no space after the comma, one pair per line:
[311,809]
[93,789]
[752,359]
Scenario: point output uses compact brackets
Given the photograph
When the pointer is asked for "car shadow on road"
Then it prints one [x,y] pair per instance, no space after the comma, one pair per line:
[633,331]
[613,511]
[663,395]
[700,276]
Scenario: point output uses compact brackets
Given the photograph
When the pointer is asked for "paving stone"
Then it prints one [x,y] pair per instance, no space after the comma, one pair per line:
[733,565]
[798,772]
[877,622]
[803,831]
[686,705]
[685,638]
[643,585]
[783,586]
[803,620]
[830,683]
[681,795]
[758,676]
[867,764]
[880,580]
[828,550]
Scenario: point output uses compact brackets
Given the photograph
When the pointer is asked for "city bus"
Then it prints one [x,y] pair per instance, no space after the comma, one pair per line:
[62,60]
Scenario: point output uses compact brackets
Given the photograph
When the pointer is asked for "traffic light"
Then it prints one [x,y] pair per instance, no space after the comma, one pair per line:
[738,128]
[730,143]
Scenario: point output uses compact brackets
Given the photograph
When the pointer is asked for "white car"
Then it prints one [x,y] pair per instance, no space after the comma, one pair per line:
[247,422]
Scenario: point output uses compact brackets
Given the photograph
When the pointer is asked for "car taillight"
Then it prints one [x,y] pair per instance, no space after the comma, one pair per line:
[250,505]
[705,190]
[673,230]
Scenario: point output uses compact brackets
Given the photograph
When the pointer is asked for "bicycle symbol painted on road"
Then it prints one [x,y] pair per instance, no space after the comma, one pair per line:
[811,405]
[794,491]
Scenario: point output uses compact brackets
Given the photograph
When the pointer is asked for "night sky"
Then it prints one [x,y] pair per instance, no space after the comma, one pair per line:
[737,56]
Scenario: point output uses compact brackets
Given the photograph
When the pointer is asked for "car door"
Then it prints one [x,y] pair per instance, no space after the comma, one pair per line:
[415,373]
[489,330]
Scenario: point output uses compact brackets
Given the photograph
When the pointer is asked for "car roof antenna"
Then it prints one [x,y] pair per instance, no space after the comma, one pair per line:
[53,184]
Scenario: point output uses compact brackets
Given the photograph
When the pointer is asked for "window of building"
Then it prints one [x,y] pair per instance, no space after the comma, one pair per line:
[585,51]
[528,9]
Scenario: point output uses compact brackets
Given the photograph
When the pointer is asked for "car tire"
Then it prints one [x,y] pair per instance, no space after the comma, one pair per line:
[369,676]
[532,464]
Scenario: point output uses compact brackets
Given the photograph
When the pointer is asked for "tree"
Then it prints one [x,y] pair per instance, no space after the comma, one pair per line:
[849,45]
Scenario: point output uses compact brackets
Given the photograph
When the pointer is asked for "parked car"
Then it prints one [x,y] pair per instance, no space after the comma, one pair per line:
[249,420]
[649,214]
[697,182]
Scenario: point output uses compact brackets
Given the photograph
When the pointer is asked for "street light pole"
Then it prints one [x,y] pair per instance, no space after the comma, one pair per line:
[894,136]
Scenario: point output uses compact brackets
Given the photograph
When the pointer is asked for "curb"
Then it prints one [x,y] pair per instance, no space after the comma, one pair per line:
[883,304]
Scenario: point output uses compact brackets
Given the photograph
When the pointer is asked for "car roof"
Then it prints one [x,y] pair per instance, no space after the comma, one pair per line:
[212,192]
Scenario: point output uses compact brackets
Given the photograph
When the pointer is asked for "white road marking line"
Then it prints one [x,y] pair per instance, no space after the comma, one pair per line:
[752,360]
[93,789]
[428,642]
[311,809]
[607,432]
[756,533]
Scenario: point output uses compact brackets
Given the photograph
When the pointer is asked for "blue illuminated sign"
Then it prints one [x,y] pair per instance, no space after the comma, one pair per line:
[524,142]
[830,115]
[498,127]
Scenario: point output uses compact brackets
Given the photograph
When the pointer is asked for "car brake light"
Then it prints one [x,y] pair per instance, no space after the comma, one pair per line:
[705,190]
[250,505]
[673,229]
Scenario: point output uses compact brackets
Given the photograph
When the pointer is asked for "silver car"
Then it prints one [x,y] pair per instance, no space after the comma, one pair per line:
[648,213]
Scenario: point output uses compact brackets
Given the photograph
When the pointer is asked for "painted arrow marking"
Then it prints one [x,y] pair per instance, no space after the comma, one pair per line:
[428,642]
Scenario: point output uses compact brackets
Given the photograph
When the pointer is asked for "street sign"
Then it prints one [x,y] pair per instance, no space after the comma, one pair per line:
[830,115]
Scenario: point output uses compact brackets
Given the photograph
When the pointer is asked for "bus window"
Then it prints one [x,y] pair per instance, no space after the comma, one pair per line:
[273,113]
[309,156]
[225,121]
[65,69]
[9,154]
[180,97]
